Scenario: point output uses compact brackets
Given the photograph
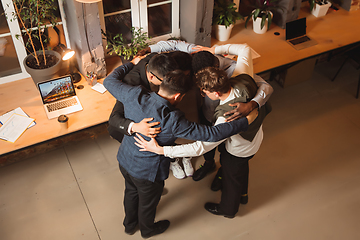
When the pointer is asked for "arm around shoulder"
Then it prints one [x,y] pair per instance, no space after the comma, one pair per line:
[264,92]
[113,82]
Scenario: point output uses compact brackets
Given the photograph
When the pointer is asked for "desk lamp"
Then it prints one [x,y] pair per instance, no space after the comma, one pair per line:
[67,54]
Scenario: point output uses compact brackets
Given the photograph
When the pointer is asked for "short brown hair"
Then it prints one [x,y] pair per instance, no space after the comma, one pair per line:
[213,80]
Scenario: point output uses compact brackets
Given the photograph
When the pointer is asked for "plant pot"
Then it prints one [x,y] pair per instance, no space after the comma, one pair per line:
[257,25]
[223,33]
[320,10]
[39,75]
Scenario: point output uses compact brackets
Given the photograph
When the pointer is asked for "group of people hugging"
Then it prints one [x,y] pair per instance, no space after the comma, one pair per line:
[232,107]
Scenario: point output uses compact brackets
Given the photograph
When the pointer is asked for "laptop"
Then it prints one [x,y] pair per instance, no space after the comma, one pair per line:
[296,34]
[59,97]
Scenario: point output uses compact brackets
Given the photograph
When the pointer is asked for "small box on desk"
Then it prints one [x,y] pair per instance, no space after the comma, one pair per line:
[298,73]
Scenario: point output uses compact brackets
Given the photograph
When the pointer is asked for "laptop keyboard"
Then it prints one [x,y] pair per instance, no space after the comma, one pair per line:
[61,104]
[299,40]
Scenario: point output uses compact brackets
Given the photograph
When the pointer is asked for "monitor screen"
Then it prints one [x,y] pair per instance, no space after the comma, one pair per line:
[295,28]
[56,89]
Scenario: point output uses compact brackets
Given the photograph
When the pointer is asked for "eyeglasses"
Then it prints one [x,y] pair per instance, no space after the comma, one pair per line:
[146,67]
[156,76]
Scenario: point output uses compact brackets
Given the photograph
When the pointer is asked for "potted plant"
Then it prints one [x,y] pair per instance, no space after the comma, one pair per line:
[34,16]
[261,15]
[319,8]
[127,49]
[224,18]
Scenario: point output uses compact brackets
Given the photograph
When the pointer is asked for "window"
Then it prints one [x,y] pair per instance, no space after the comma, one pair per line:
[159,18]
[9,63]
[11,67]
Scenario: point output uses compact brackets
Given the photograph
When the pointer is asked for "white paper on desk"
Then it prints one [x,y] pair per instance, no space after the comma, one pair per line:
[14,127]
[99,87]
[6,116]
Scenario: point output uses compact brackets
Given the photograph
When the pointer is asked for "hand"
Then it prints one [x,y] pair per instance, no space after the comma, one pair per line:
[252,116]
[150,146]
[199,48]
[241,110]
[143,52]
[146,128]
[136,60]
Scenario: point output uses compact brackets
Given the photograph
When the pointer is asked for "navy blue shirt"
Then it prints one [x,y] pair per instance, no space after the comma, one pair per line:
[139,103]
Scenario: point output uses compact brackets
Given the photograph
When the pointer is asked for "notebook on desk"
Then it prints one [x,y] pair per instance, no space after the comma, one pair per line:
[59,97]
[295,32]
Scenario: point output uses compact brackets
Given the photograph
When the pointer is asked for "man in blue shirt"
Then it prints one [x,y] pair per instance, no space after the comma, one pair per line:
[145,172]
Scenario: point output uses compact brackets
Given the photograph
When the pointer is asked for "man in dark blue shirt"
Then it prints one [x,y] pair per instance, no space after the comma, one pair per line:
[145,172]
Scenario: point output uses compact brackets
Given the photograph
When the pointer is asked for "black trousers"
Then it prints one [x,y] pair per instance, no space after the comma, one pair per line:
[235,180]
[140,201]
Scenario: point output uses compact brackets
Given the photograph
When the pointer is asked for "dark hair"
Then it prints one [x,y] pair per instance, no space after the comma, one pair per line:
[176,82]
[161,64]
[213,80]
[203,59]
[183,60]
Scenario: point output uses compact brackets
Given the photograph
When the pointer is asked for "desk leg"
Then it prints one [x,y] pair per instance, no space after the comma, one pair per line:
[358,88]
[272,75]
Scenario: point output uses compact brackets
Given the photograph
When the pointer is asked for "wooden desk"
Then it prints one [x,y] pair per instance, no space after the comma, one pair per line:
[23,93]
[335,30]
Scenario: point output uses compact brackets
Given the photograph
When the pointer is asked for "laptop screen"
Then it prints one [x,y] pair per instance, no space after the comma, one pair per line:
[295,28]
[56,89]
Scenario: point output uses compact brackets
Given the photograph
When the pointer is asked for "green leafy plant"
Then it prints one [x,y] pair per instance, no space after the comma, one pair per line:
[262,8]
[118,45]
[34,17]
[225,13]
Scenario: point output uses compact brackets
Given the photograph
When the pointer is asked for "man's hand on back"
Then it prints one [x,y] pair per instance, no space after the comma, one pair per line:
[146,127]
[137,59]
[241,110]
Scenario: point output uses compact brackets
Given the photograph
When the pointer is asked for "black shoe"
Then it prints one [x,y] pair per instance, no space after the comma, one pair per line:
[159,227]
[214,208]
[131,231]
[216,184]
[244,199]
[203,170]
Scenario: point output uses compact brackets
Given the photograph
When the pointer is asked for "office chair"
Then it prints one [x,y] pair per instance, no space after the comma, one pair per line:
[353,55]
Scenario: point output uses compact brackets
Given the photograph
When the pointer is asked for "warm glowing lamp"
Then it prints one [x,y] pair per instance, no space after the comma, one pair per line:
[67,54]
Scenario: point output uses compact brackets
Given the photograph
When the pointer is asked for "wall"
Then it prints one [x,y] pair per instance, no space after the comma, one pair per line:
[196,21]
[83,23]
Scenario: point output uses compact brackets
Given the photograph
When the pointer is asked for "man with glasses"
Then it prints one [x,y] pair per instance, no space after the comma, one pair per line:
[147,74]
